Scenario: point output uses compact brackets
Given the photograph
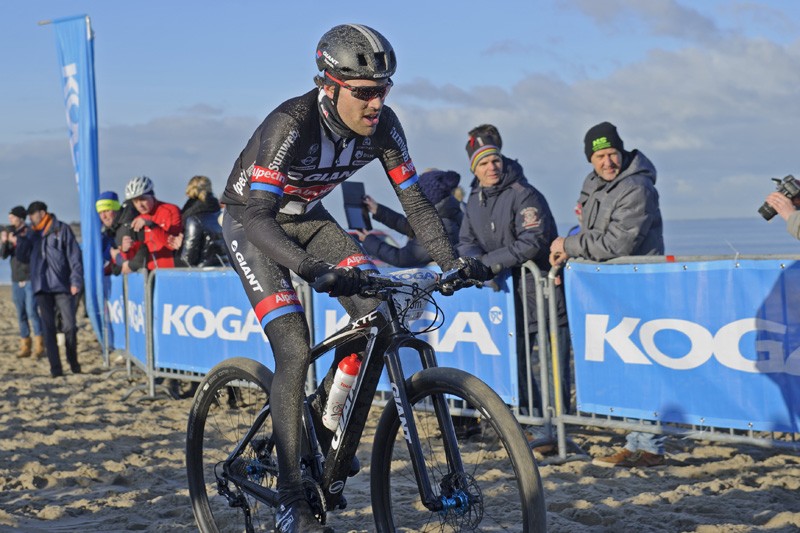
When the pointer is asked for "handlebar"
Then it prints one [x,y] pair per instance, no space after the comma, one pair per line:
[381,286]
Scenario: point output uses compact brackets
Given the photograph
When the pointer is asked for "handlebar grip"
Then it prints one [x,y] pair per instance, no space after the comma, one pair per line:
[325,282]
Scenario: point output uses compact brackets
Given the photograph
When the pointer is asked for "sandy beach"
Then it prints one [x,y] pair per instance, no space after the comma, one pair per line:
[75,456]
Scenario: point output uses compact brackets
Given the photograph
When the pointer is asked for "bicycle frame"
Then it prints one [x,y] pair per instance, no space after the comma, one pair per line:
[385,335]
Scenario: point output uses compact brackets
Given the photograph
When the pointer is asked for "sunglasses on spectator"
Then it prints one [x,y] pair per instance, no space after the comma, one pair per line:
[367,92]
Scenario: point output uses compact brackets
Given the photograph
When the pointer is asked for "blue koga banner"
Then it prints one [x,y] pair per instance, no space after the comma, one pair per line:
[713,343]
[75,46]
[477,335]
[201,318]
[136,316]
[115,312]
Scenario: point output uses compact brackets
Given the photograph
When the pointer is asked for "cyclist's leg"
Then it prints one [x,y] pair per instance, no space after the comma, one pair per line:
[277,307]
[322,237]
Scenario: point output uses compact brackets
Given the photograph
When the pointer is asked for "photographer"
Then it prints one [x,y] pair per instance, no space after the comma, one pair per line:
[787,209]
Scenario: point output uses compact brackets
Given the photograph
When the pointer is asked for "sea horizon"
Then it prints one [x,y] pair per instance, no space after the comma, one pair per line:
[723,237]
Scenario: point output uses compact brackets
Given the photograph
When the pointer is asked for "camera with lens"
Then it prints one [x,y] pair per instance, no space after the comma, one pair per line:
[789,187]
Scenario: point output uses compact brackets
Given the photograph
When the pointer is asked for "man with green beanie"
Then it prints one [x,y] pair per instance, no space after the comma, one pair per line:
[620,216]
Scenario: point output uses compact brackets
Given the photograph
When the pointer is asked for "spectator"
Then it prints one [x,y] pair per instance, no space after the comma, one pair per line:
[507,223]
[787,209]
[155,233]
[21,289]
[57,278]
[108,210]
[203,245]
[437,185]
[620,217]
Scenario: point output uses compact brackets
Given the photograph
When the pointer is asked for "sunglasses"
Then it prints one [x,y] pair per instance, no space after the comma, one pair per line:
[365,93]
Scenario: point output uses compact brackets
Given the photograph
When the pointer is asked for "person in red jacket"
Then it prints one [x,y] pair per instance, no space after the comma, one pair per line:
[157,228]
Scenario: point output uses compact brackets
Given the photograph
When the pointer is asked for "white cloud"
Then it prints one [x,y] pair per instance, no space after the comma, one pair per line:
[718,121]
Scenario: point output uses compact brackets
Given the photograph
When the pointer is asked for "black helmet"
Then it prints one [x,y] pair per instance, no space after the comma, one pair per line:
[354,51]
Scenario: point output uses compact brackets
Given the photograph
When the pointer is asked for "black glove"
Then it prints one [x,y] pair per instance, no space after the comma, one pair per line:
[339,281]
[472,268]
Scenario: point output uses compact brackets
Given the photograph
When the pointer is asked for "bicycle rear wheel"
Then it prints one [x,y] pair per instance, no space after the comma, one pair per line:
[225,407]
[499,489]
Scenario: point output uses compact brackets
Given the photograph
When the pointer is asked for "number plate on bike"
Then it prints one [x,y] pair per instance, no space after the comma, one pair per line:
[409,302]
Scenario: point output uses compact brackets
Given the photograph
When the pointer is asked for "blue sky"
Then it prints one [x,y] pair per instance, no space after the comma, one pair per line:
[709,91]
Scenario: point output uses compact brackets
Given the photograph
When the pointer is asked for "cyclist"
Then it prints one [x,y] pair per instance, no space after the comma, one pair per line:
[275,222]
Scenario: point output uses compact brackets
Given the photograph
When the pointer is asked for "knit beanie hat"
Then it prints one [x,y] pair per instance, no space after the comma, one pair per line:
[19,212]
[600,136]
[107,201]
[478,147]
[37,206]
[438,184]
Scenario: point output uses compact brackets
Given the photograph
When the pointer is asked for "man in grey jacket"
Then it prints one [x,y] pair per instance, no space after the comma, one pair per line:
[620,217]
[620,212]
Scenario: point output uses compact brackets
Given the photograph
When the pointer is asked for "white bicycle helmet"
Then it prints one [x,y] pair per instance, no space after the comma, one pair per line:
[138,186]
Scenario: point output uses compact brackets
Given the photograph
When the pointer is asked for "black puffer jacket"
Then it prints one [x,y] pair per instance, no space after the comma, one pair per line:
[203,244]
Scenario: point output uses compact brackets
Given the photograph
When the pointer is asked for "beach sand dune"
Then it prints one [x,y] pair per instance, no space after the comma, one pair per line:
[75,456]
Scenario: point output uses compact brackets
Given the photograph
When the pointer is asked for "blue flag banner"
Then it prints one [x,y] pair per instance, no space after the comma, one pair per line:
[712,343]
[478,336]
[75,45]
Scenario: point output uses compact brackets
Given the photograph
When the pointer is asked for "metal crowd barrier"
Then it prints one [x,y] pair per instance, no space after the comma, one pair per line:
[653,424]
[553,420]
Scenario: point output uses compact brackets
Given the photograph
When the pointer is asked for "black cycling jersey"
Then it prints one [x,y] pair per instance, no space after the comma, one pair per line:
[274,221]
[292,161]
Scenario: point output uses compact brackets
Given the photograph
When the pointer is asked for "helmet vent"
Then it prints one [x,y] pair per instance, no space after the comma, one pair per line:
[362,60]
[380,61]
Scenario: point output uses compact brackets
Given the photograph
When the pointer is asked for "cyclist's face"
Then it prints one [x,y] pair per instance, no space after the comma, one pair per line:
[359,115]
[489,170]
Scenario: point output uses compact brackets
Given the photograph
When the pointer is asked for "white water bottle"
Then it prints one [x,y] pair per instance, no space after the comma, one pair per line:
[342,383]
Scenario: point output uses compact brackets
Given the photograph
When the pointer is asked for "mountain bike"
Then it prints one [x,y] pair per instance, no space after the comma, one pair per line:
[424,475]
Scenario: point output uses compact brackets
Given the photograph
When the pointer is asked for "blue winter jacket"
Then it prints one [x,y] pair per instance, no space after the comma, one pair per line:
[507,225]
[55,258]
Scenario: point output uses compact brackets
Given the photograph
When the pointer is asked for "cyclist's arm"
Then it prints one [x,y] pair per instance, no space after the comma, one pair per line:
[267,179]
[421,214]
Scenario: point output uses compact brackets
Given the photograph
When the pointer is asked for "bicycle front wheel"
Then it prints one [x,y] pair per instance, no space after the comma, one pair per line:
[498,489]
[225,408]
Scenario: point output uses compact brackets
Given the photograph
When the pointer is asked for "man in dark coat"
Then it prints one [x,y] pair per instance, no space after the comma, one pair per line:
[507,223]
[57,279]
[21,290]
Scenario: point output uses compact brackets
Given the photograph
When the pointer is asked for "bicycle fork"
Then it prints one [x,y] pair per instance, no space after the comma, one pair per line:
[407,424]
